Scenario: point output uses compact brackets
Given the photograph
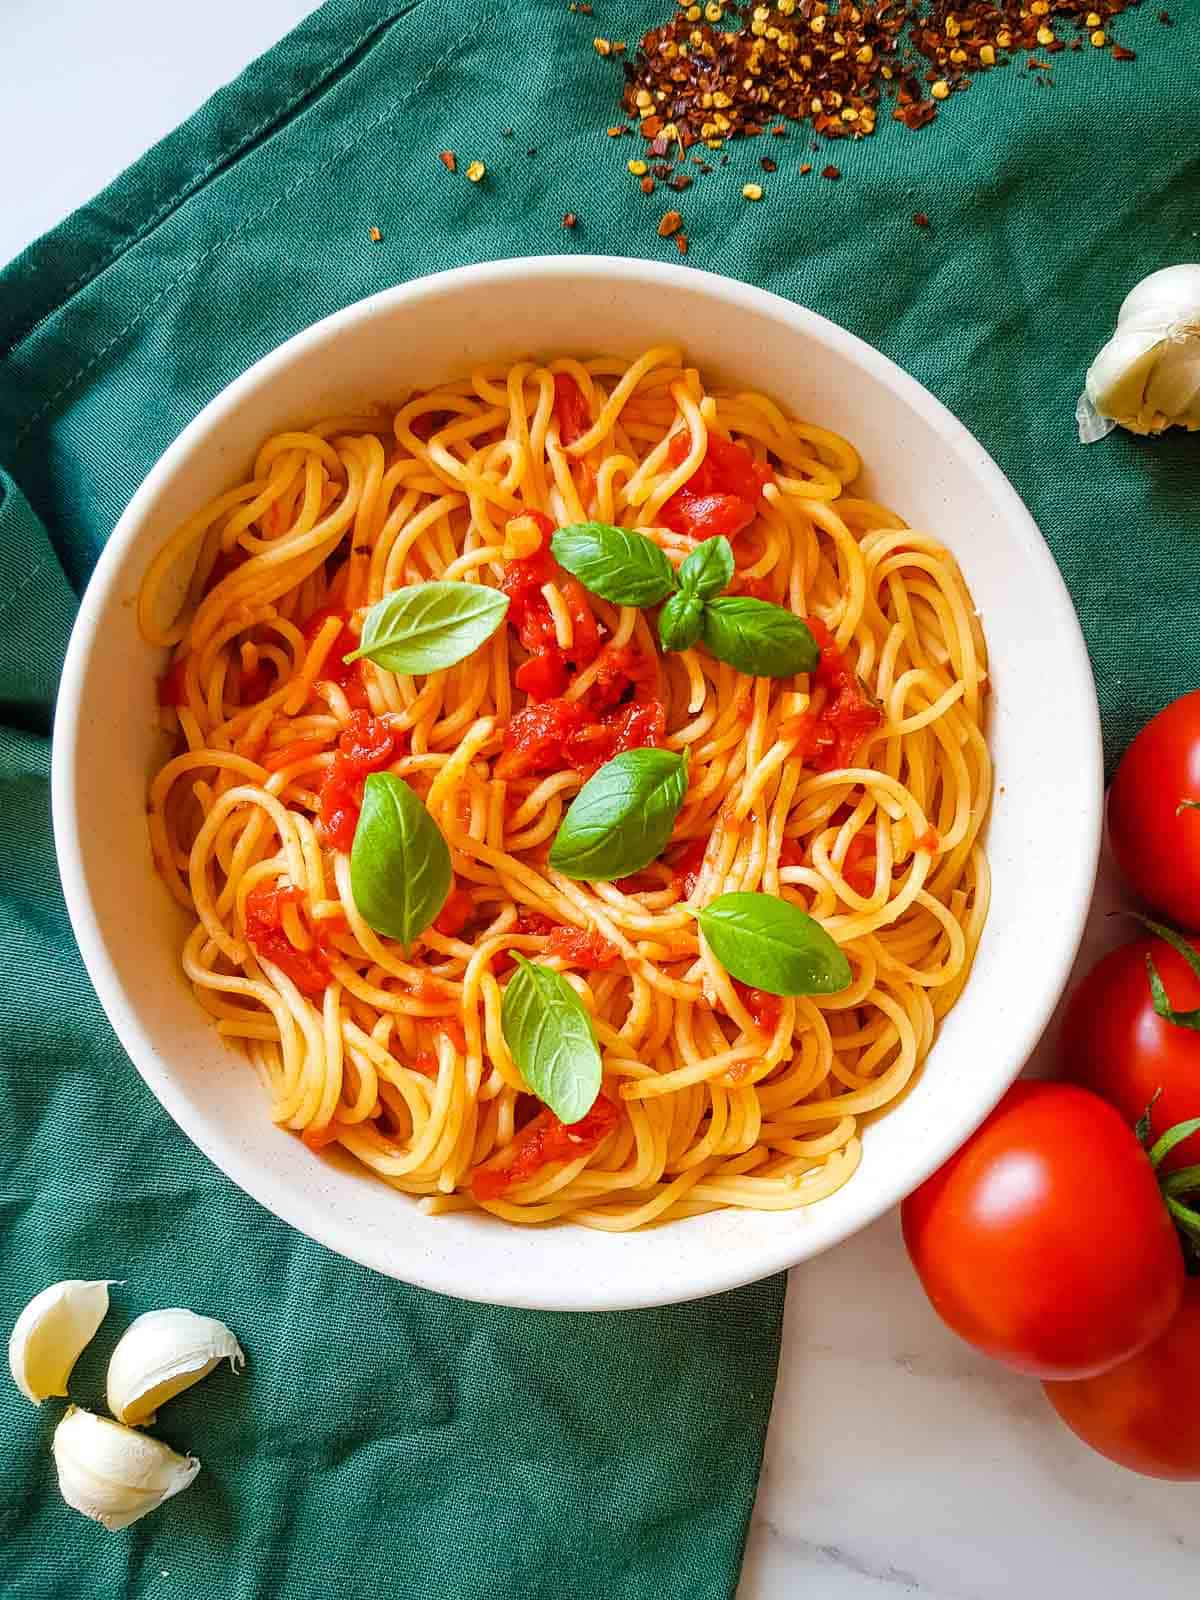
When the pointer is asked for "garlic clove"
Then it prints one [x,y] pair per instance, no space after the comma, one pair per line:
[1147,377]
[162,1353]
[52,1332]
[113,1474]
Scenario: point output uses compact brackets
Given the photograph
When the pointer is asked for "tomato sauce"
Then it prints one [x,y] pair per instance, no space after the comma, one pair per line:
[543,1141]
[558,733]
[308,969]
[547,672]
[455,914]
[367,745]
[335,669]
[686,867]
[591,951]
[766,1009]
[828,739]
[721,496]
[570,409]
[172,689]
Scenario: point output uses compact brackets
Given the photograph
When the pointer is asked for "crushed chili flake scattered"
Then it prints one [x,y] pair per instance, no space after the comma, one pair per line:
[1165,18]
[832,63]
[671,223]
[647,185]
[617,129]
[679,183]
[602,47]
[449,160]
[569,219]
[681,243]
[920,218]
[767,164]
[585,10]
[805,168]
[375,235]
[831,171]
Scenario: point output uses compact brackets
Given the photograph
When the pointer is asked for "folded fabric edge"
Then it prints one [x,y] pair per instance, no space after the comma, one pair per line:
[239,115]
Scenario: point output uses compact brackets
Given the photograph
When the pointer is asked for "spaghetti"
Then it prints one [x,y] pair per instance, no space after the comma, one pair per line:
[858,791]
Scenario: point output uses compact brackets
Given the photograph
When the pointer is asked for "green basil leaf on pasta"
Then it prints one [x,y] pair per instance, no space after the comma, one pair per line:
[618,564]
[681,621]
[400,868]
[708,569]
[621,819]
[551,1038]
[428,627]
[759,638]
[773,945]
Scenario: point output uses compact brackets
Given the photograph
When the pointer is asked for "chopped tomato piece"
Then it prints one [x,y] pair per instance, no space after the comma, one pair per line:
[622,672]
[563,733]
[791,853]
[753,588]
[529,615]
[828,739]
[455,914]
[686,867]
[366,746]
[535,922]
[543,1141]
[308,969]
[591,951]
[172,689]
[721,496]
[570,409]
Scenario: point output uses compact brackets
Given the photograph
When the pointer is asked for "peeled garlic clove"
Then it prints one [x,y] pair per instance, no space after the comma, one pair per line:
[113,1474]
[52,1332]
[162,1353]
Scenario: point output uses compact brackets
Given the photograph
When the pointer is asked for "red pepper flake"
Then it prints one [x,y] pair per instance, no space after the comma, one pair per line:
[647,185]
[679,183]
[1165,18]
[449,160]
[831,171]
[375,236]
[779,131]
[921,220]
[617,130]
[1119,53]
[585,10]
[767,164]
[569,219]
[681,243]
[805,168]
[671,223]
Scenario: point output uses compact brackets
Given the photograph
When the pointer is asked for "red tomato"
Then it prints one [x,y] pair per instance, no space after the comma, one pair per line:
[1145,1413]
[721,496]
[1114,1043]
[1044,1241]
[829,739]
[366,746]
[591,951]
[1155,834]
[308,969]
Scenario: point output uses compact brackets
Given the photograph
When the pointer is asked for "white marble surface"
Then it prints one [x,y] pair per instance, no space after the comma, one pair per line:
[898,1462]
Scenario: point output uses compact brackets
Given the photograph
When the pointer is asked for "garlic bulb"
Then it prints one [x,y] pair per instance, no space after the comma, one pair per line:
[52,1332]
[113,1474]
[1147,377]
[162,1353]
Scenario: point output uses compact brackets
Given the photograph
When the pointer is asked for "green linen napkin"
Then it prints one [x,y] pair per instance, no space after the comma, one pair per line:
[385,1440]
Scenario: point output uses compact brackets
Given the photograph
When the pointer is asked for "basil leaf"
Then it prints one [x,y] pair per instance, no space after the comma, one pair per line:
[618,564]
[708,569]
[680,621]
[773,945]
[550,1037]
[756,637]
[622,817]
[430,626]
[400,870]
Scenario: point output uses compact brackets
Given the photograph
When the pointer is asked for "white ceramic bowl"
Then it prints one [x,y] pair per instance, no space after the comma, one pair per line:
[1044,734]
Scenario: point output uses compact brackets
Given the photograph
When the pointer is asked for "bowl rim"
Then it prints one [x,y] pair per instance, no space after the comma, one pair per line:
[726,1269]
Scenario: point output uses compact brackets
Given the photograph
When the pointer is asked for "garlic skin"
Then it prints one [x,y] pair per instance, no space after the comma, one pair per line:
[162,1353]
[1147,377]
[52,1332]
[113,1474]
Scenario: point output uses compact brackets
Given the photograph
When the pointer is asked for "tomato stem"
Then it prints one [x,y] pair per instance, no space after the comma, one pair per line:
[1162,1004]
[1173,1136]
